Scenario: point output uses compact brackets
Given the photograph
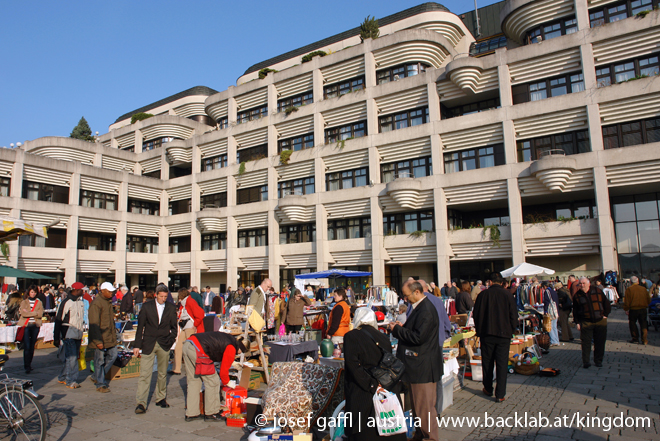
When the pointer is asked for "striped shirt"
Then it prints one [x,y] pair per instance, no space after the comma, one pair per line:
[32,302]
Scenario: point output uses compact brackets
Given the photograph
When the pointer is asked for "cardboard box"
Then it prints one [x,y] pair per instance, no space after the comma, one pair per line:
[459,319]
[255,381]
[131,370]
[516,348]
[40,344]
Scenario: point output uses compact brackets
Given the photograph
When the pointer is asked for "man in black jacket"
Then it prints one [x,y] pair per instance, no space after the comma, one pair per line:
[495,319]
[156,333]
[420,351]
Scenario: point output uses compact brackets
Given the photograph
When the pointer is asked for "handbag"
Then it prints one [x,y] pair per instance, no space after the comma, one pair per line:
[20,332]
[389,370]
[390,419]
[547,323]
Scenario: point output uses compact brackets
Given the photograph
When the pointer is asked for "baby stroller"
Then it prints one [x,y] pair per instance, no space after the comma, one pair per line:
[654,313]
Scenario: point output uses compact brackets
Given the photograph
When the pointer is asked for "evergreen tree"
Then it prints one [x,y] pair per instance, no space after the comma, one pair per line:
[82,131]
[369,28]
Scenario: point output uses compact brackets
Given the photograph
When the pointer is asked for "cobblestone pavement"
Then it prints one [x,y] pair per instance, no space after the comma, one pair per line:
[626,384]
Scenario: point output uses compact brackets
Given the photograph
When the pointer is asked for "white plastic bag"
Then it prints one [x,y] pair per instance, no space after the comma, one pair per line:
[390,419]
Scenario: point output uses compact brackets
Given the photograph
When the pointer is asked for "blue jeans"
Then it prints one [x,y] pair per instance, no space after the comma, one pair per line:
[207,309]
[554,334]
[103,360]
[29,340]
[69,356]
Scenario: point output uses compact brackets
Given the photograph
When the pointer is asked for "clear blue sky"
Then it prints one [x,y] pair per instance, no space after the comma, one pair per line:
[61,60]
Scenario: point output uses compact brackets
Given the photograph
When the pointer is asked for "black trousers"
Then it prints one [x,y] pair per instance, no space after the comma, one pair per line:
[495,352]
[293,328]
[29,340]
[598,333]
[634,316]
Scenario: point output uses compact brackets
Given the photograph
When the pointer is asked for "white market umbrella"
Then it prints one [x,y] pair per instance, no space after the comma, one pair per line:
[526,269]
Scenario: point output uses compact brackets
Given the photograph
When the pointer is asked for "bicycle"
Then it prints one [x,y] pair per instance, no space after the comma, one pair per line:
[21,415]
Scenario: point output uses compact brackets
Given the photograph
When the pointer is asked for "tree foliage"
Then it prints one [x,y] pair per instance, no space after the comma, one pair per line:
[311,55]
[82,131]
[369,28]
[140,116]
[263,72]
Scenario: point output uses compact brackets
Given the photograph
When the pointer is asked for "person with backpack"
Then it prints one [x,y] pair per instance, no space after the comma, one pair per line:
[565,306]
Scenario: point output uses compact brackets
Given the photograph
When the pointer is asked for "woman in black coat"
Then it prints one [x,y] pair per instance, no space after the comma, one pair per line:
[360,354]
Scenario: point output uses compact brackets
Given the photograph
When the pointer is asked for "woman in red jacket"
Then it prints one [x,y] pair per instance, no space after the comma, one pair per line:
[191,321]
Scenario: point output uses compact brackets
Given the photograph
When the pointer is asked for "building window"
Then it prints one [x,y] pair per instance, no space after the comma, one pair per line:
[215,241]
[296,187]
[295,101]
[56,239]
[43,192]
[631,133]
[217,200]
[288,276]
[343,87]
[539,90]
[155,143]
[585,209]
[5,185]
[402,120]
[482,157]
[359,227]
[88,240]
[253,238]
[252,114]
[619,11]
[467,109]
[214,162]
[179,207]
[252,194]
[346,179]
[96,199]
[348,131]
[141,244]
[406,223]
[620,72]
[296,143]
[551,30]
[223,122]
[570,143]
[487,46]
[252,153]
[410,168]
[297,233]
[179,244]
[398,72]
[144,207]
[457,220]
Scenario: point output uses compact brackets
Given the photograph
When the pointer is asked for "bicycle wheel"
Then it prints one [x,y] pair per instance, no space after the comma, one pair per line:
[22,418]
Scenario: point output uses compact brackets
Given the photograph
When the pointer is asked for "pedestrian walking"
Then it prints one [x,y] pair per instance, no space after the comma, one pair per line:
[635,303]
[551,309]
[590,311]
[103,335]
[565,307]
[69,333]
[31,311]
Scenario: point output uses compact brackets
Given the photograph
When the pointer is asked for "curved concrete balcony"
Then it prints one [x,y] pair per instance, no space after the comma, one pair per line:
[519,16]
[466,73]
[212,220]
[405,192]
[553,171]
[178,152]
[295,209]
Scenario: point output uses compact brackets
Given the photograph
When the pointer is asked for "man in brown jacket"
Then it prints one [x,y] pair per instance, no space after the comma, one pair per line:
[103,335]
[635,302]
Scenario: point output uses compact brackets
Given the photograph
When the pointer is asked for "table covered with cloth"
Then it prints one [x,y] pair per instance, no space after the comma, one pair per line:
[297,389]
[8,333]
[288,352]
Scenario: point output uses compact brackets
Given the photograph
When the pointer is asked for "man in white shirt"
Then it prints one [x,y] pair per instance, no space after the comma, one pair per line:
[208,299]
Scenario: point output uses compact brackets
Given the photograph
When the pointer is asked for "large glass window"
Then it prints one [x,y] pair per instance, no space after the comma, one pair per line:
[223,122]
[297,187]
[96,199]
[252,194]
[399,72]
[620,72]
[295,101]
[296,143]
[44,192]
[300,233]
[137,206]
[343,87]
[142,244]
[557,86]
[407,223]
[411,168]
[214,241]
[402,120]
[467,109]
[619,11]
[252,114]
[252,153]
[217,200]
[214,162]
[179,207]
[482,157]
[253,238]
[156,143]
[346,179]
[56,239]
[487,46]
[5,185]
[179,244]
[88,240]
[552,30]
[570,143]
[353,228]
[561,211]
[631,133]
[348,131]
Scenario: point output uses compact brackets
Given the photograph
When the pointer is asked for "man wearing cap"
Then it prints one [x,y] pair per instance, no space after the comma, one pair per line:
[103,335]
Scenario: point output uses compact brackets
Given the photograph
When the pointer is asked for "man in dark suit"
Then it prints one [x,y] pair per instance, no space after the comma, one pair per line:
[156,333]
[420,351]
[495,319]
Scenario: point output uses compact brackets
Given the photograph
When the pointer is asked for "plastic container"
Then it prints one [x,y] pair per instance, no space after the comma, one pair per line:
[477,372]
[446,397]
[236,422]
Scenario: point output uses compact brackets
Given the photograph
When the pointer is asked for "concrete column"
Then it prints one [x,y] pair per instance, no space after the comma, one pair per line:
[74,189]
[231,108]
[113,141]
[164,203]
[139,139]
[510,149]
[504,78]
[272,97]
[369,67]
[515,215]
[434,102]
[608,254]
[122,195]
[196,161]
[70,262]
[588,66]
[321,237]
[436,155]
[232,257]
[372,117]
[272,141]
[195,248]
[16,190]
[378,252]
[120,254]
[319,177]
[98,159]
[163,255]
[274,253]
[231,150]
[196,198]
[374,165]
[595,129]
[582,14]
[164,167]
[319,130]
[441,235]
[317,88]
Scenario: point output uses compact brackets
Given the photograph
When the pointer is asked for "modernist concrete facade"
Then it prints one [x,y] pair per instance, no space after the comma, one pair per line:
[507,188]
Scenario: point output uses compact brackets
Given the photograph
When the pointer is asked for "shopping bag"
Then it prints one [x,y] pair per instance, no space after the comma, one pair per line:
[282,330]
[20,334]
[547,323]
[390,419]
[256,321]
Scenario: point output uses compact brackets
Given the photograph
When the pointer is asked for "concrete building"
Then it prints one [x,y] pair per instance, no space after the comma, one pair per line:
[441,149]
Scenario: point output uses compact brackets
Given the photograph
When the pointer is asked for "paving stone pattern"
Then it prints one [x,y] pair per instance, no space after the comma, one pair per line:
[627,383]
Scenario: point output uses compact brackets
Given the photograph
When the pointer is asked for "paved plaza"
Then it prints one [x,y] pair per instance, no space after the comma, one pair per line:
[627,383]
